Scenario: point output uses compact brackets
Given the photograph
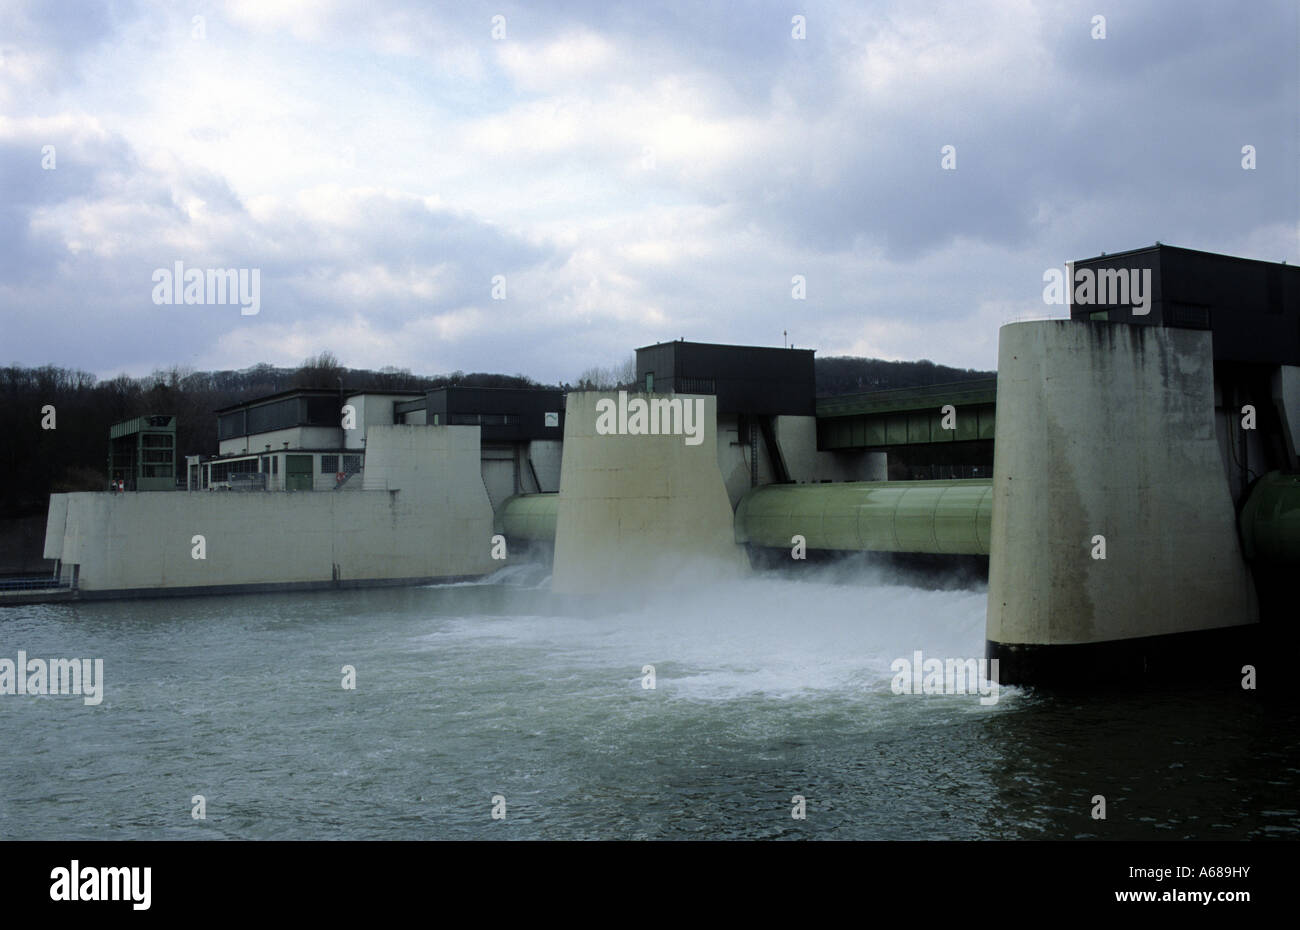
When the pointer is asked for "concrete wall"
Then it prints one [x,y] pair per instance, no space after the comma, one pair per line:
[797,437]
[1238,447]
[437,522]
[499,466]
[55,519]
[1286,397]
[372,410]
[1109,429]
[546,456]
[369,408]
[640,510]
[733,460]
[506,470]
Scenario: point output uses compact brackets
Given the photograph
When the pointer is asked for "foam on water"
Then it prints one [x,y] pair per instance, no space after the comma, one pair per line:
[766,635]
[519,575]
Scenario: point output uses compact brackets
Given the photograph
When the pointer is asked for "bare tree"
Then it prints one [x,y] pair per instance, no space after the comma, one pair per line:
[598,378]
[627,371]
[320,371]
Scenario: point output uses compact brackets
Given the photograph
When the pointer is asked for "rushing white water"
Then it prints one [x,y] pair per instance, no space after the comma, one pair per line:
[762,636]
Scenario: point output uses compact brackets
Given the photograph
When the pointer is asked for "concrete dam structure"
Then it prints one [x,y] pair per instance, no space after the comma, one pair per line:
[1131,479]
[430,521]
[1143,506]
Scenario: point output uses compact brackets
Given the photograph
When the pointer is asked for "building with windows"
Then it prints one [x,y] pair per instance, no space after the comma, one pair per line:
[521,433]
[314,439]
[142,454]
[506,414]
[305,439]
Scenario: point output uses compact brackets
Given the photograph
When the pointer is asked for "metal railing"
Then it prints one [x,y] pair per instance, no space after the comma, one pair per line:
[32,584]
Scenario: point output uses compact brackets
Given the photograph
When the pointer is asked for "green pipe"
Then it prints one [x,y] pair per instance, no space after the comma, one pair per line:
[1270,521]
[950,517]
[528,516]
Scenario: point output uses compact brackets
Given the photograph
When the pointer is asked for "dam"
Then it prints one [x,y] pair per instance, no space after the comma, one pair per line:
[1130,478]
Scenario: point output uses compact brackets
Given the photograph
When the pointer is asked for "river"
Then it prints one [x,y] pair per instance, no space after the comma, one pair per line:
[501,696]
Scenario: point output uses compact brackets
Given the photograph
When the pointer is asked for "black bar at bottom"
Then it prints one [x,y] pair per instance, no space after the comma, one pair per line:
[652,882]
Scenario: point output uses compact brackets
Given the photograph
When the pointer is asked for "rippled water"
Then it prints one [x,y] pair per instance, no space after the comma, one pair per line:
[764,689]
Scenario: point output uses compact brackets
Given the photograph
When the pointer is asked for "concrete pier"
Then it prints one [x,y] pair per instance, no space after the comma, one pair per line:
[639,510]
[1106,436]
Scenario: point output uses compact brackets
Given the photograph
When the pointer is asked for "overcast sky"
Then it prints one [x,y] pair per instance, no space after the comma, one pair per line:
[636,172]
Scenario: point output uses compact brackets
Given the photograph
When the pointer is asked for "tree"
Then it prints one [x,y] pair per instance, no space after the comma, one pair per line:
[597,378]
[320,371]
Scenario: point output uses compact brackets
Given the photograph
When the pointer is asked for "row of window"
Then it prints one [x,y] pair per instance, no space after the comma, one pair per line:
[329,464]
[221,471]
[281,414]
[270,465]
[683,384]
[478,419]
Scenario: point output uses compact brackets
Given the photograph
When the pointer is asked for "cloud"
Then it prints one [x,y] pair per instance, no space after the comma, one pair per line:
[634,173]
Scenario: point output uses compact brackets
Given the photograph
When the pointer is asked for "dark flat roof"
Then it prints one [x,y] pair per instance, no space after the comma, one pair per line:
[313,392]
[470,387]
[722,345]
[259,453]
[1162,246]
[143,424]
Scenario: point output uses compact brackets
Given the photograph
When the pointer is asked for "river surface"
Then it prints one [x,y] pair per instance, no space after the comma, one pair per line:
[763,690]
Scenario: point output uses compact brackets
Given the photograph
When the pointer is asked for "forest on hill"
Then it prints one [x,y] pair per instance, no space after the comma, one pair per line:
[846,375]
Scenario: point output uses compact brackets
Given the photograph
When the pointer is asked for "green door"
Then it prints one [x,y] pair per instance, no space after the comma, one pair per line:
[297,472]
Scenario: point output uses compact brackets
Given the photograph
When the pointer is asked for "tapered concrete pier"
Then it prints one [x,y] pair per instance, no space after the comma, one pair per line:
[1106,437]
